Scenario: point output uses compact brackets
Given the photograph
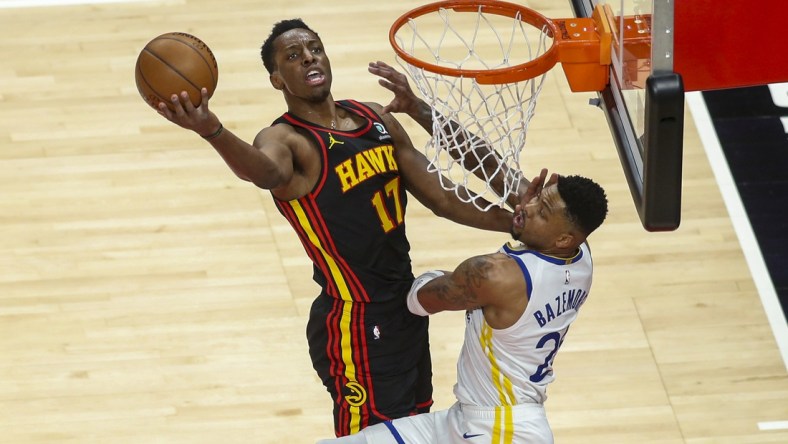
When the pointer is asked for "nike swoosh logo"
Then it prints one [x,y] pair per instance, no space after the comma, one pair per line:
[467,436]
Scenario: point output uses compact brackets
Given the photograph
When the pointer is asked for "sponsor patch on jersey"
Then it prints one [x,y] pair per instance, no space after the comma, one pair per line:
[384,135]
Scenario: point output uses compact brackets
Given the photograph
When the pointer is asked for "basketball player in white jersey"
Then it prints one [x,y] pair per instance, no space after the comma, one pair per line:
[520,303]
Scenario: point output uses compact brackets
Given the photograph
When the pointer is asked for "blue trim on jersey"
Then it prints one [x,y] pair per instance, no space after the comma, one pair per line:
[552,259]
[526,274]
[394,432]
[560,260]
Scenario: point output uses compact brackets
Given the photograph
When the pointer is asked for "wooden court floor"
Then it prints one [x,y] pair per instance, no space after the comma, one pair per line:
[149,296]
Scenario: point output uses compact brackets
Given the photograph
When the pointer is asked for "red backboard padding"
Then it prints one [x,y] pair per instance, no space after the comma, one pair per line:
[730,43]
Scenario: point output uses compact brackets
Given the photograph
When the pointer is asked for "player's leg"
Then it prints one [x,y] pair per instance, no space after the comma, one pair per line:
[535,427]
[424,383]
[384,374]
[399,362]
[527,423]
[426,428]
[318,333]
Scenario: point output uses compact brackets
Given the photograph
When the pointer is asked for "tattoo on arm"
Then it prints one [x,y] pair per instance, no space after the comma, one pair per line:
[462,291]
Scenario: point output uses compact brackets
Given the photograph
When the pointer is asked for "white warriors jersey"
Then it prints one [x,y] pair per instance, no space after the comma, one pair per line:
[514,365]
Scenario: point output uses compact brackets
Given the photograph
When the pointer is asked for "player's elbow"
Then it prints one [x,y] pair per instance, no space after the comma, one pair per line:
[242,176]
[266,180]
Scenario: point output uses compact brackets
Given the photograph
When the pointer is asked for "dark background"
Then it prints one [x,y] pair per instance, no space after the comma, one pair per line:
[755,145]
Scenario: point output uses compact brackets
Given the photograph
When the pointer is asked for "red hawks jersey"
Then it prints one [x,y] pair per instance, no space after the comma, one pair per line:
[352,224]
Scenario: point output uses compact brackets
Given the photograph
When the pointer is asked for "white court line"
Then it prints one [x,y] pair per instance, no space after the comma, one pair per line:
[34,3]
[779,93]
[741,223]
[773,425]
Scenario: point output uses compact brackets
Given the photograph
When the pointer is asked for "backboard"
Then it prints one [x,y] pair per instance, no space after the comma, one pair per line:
[644,105]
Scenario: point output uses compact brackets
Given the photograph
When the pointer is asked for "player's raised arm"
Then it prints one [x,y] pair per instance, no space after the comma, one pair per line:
[268,163]
[470,150]
[426,187]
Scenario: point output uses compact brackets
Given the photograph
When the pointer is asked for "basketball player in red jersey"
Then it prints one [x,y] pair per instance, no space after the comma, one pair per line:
[340,172]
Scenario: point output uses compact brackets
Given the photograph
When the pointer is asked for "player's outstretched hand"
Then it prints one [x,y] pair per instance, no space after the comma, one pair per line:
[198,119]
[404,101]
[538,183]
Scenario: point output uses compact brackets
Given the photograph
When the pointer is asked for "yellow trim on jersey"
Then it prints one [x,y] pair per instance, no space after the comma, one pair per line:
[350,367]
[344,291]
[336,274]
[503,430]
[516,246]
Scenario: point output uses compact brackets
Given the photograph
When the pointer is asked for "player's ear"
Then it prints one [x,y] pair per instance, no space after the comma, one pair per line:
[565,240]
[276,81]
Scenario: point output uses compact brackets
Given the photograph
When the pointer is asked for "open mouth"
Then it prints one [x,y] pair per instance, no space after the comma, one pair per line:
[518,221]
[315,77]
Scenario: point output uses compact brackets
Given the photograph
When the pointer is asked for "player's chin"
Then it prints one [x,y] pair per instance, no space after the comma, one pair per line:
[319,95]
[516,233]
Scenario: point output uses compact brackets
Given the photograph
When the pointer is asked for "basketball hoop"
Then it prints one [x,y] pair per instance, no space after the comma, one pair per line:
[480,65]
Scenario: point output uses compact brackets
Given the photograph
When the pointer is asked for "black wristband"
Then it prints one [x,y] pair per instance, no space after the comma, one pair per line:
[215,134]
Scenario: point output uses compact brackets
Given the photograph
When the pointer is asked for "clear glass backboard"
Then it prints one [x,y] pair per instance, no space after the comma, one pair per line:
[644,104]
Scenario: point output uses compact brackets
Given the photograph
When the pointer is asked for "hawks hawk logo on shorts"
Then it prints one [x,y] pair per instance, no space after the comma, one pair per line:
[356,394]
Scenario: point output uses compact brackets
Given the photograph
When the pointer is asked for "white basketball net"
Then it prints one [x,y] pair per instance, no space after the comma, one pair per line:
[490,122]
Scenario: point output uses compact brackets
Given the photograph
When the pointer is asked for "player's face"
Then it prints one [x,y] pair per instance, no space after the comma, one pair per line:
[302,67]
[542,220]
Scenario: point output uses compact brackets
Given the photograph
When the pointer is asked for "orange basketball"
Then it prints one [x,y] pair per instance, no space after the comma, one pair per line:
[172,63]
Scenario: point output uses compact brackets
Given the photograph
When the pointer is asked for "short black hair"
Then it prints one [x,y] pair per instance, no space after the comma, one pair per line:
[586,202]
[267,50]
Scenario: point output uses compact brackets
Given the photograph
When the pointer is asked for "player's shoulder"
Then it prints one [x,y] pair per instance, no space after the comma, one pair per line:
[492,266]
[378,109]
[375,106]
[393,126]
[279,127]
[276,130]
[280,133]
[498,276]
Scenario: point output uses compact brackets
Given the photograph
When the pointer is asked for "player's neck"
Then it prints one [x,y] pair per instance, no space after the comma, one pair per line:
[322,113]
[563,253]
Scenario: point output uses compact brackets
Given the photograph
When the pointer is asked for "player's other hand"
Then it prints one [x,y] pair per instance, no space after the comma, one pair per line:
[198,119]
[537,184]
[404,101]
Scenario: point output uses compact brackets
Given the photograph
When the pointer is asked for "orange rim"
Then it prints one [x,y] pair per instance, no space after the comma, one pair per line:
[511,74]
